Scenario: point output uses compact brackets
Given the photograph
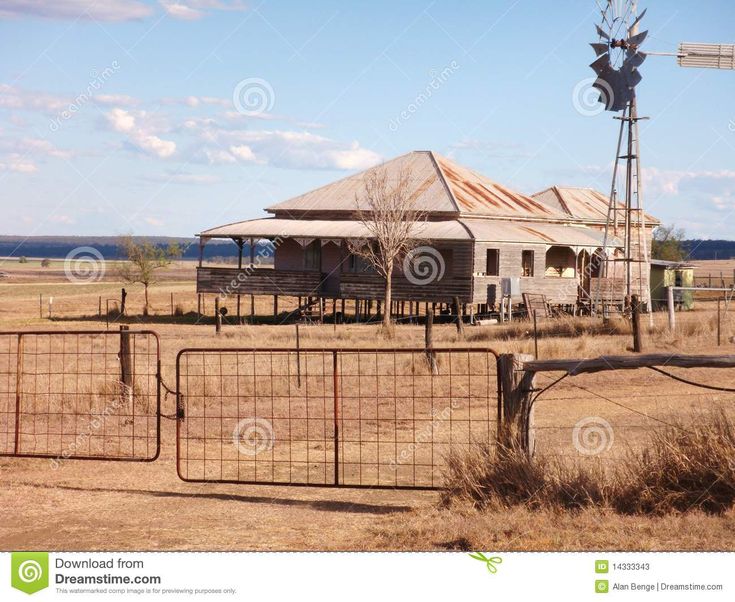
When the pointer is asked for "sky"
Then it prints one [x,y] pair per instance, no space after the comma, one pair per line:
[170,117]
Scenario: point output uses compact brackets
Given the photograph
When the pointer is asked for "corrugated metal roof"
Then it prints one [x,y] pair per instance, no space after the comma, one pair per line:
[437,185]
[581,203]
[485,230]
[477,195]
[273,227]
[426,185]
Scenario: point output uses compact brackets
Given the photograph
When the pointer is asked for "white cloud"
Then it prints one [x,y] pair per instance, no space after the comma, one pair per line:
[281,148]
[17,163]
[184,178]
[18,99]
[21,155]
[116,99]
[243,152]
[99,10]
[192,10]
[121,120]
[675,182]
[140,131]
[181,11]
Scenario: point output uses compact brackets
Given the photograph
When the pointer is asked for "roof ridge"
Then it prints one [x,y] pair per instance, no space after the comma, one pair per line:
[382,163]
[443,178]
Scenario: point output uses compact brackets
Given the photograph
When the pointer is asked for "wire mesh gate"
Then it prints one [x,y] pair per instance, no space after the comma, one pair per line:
[80,395]
[331,417]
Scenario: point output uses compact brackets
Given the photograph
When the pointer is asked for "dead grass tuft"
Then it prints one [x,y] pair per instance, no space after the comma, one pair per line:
[681,469]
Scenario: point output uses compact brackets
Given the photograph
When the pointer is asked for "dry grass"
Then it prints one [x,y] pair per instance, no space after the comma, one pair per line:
[99,505]
[683,468]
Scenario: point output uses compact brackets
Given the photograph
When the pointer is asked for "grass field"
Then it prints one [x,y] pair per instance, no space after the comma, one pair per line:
[116,505]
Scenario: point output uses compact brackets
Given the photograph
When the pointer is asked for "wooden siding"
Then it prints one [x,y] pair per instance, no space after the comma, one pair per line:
[257,281]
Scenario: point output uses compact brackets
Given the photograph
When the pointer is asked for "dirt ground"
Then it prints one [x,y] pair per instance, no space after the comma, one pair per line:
[121,505]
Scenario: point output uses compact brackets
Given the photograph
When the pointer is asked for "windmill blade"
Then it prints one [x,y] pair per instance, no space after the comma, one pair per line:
[637,39]
[631,29]
[632,77]
[634,60]
[707,56]
[601,65]
[602,33]
[600,48]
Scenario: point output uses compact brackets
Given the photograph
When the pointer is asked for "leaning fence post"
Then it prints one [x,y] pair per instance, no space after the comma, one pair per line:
[460,318]
[126,363]
[429,344]
[636,323]
[670,305]
[516,429]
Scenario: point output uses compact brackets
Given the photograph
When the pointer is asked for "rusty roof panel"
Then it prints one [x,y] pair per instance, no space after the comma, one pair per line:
[581,203]
[425,185]
[478,195]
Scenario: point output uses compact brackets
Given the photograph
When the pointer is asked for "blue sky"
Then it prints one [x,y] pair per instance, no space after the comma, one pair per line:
[166,118]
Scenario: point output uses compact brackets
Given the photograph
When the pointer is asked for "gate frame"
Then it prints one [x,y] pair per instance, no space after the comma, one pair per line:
[334,351]
[21,333]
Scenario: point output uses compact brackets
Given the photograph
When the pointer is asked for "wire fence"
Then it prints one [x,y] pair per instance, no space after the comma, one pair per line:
[605,416]
[81,395]
[332,417]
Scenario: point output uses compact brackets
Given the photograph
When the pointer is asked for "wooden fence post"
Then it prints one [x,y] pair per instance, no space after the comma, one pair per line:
[217,316]
[298,356]
[126,364]
[719,322]
[460,323]
[516,428]
[429,344]
[636,323]
[670,305]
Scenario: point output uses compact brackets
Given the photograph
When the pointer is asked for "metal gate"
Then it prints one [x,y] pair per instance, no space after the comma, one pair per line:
[332,417]
[91,395]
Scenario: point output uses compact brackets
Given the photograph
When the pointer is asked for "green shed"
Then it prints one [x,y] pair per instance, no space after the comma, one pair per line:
[671,273]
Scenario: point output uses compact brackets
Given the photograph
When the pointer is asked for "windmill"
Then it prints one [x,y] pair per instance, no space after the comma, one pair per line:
[619,57]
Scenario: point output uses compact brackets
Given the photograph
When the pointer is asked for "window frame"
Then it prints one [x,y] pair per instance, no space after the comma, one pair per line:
[532,265]
[496,268]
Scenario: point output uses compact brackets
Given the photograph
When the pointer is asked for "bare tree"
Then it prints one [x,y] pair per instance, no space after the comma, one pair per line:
[143,260]
[390,216]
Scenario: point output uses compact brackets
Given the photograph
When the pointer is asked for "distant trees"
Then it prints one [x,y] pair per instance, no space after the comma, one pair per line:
[144,259]
[22,259]
[45,263]
[668,243]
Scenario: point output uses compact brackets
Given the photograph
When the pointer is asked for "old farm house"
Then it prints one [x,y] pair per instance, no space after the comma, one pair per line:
[483,239]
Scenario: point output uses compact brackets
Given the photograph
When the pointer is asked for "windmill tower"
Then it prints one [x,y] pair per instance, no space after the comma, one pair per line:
[626,247]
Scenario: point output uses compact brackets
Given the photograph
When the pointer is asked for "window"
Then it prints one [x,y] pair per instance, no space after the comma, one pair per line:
[358,265]
[527,264]
[492,266]
[313,255]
